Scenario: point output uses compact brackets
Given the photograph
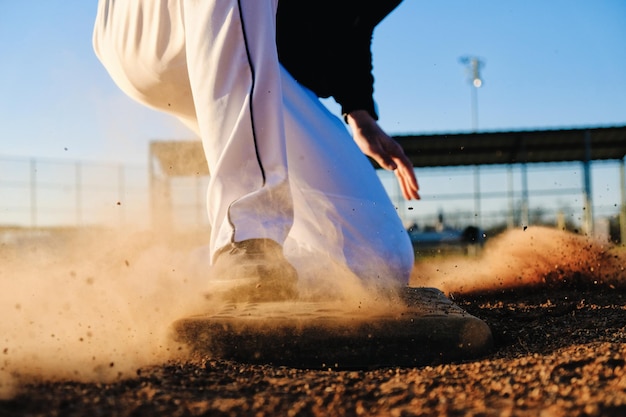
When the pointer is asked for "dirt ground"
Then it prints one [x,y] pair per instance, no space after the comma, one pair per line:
[560,350]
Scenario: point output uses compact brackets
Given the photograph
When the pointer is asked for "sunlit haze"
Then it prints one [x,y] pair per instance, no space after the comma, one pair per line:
[552,65]
[547,64]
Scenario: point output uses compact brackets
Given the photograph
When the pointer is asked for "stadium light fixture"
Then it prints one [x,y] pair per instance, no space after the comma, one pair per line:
[473,66]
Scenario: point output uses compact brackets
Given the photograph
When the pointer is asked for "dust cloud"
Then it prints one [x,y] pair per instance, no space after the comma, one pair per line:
[89,306]
[530,259]
[96,306]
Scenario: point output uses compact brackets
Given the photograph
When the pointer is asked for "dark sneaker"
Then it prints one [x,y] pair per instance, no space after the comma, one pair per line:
[253,270]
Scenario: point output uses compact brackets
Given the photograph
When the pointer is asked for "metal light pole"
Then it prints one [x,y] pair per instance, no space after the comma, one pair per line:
[473,66]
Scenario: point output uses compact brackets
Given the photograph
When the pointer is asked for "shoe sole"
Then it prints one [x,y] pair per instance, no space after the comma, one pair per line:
[428,330]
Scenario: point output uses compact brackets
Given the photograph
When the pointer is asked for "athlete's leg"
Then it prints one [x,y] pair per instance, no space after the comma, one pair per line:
[342,209]
[229,62]
[235,79]
[214,65]
[141,43]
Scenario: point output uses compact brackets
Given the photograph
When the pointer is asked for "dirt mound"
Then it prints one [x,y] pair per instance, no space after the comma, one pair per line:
[553,300]
[527,260]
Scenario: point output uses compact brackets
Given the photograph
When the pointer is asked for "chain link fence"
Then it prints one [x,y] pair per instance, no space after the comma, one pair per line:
[41,193]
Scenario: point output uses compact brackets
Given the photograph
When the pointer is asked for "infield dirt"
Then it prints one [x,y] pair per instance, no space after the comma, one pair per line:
[85,336]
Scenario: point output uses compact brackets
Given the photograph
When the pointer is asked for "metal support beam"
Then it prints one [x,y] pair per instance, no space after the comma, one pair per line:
[511,216]
[587,196]
[477,208]
[525,217]
[622,211]
[33,193]
[78,172]
[121,194]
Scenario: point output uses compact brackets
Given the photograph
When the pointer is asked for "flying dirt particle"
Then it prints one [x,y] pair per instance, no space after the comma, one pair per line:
[5,351]
[119,203]
[126,262]
[525,227]
[111,365]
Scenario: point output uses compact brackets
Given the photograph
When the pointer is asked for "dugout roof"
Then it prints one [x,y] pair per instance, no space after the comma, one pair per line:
[186,158]
[484,148]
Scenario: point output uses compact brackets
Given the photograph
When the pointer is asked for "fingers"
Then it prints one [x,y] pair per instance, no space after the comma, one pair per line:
[393,158]
[405,173]
[408,182]
[388,153]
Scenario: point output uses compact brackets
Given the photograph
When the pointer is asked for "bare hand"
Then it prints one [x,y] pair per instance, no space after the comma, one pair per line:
[376,144]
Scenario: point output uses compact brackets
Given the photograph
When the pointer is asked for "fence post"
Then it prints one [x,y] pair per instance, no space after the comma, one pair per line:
[477,208]
[79,196]
[511,212]
[121,193]
[525,217]
[622,211]
[199,203]
[33,193]
[587,196]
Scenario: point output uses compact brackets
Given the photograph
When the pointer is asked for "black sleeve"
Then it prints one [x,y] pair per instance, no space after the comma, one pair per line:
[352,81]
[326,46]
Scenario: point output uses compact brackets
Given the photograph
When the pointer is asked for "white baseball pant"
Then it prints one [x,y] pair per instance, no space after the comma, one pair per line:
[282,166]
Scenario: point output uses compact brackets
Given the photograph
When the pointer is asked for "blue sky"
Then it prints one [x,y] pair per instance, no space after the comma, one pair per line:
[549,64]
